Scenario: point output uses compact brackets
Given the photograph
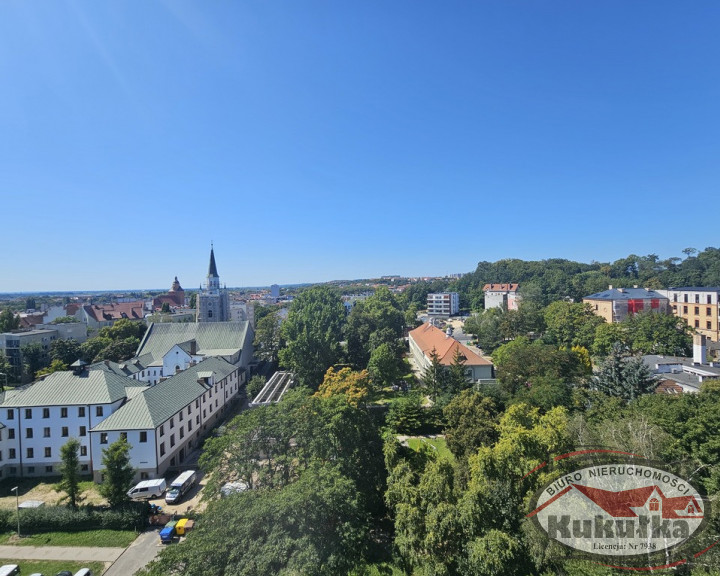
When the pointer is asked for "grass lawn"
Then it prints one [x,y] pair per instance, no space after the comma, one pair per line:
[52,567]
[437,443]
[100,538]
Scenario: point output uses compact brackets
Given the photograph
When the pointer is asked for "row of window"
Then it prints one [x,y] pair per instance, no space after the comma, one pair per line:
[708,311]
[30,452]
[46,412]
[708,298]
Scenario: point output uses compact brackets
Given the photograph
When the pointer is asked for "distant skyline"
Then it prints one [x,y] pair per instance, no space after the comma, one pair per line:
[315,141]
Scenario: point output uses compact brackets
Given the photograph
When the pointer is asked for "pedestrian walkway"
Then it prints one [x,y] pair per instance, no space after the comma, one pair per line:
[72,553]
[141,552]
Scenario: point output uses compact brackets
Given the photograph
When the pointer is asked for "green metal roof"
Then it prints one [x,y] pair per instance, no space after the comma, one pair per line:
[156,404]
[67,389]
[226,337]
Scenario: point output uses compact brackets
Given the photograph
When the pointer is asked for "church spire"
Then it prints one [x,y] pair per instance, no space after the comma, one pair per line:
[212,271]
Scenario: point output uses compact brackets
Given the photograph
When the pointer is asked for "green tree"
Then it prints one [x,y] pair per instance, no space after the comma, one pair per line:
[124,329]
[571,324]
[90,349]
[8,320]
[30,304]
[486,327]
[165,308]
[657,333]
[624,377]
[254,386]
[457,378]
[55,366]
[34,358]
[118,350]
[193,300]
[434,377]
[6,369]
[384,366]
[118,472]
[64,320]
[268,337]
[607,336]
[70,471]
[66,350]
[313,331]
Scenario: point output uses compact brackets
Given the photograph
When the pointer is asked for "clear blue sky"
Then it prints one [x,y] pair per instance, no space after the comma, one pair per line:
[319,140]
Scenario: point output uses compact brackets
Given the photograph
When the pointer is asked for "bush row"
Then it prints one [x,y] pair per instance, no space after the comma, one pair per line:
[61,519]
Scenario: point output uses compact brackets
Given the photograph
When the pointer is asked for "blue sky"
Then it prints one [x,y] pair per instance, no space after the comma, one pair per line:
[319,140]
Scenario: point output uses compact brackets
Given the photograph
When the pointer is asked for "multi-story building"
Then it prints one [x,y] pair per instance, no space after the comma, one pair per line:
[443,304]
[97,405]
[698,307]
[501,296]
[616,304]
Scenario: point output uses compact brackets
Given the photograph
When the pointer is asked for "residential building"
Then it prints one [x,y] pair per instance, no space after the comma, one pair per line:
[12,343]
[443,304]
[678,374]
[99,315]
[698,307]
[501,296]
[427,339]
[616,304]
[213,302]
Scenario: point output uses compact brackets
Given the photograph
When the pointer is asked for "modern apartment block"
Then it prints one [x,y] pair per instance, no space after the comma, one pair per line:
[443,304]
[698,307]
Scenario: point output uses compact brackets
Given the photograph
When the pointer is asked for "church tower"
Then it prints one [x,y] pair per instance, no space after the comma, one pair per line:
[213,303]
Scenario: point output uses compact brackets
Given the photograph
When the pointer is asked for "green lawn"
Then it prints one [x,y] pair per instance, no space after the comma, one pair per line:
[100,538]
[52,567]
[436,443]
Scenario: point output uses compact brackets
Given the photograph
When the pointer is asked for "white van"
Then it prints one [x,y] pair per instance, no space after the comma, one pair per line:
[148,489]
[83,572]
[9,570]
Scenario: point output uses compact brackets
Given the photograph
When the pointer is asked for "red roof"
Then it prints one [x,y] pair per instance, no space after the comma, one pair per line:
[619,504]
[500,287]
[103,313]
[427,338]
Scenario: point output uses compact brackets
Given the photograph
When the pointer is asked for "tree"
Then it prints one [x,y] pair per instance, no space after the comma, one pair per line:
[34,358]
[66,350]
[118,472]
[486,329]
[30,304]
[354,386]
[124,329]
[8,321]
[384,366]
[607,336]
[165,308]
[254,386]
[193,300]
[658,333]
[5,368]
[55,366]
[624,377]
[457,378]
[92,347]
[313,331]
[118,350]
[70,471]
[434,377]
[268,337]
[571,324]
[64,320]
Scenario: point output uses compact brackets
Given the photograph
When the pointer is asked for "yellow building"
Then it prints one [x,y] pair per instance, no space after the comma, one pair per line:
[698,307]
[615,304]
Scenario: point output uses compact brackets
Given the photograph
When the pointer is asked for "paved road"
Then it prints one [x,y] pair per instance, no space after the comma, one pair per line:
[61,553]
[137,555]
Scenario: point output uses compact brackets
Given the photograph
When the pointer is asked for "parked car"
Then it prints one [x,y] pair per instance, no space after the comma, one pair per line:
[64,573]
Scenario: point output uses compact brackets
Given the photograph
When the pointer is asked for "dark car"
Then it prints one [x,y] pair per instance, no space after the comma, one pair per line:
[64,573]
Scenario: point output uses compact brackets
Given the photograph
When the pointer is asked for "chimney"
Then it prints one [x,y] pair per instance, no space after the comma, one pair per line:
[193,347]
[610,287]
[699,349]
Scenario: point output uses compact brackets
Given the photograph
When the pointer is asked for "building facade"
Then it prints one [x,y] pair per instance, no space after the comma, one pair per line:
[443,304]
[501,296]
[698,307]
[616,304]
[213,303]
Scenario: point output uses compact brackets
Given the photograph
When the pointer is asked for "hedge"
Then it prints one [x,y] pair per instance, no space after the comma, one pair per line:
[62,519]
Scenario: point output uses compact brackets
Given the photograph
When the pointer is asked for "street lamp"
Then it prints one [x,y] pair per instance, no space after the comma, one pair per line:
[17,505]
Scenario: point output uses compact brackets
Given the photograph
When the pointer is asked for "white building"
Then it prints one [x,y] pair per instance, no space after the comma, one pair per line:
[501,296]
[443,304]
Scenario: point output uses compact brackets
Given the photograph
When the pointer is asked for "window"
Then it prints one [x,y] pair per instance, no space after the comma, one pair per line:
[46,432]
[31,469]
[46,412]
[197,405]
[709,299]
[30,453]
[11,433]
[180,416]
[162,430]
[48,469]
[685,298]
[708,325]
[162,448]
[182,433]
[708,311]
[84,468]
[98,411]
[65,432]
[48,452]
[81,412]
[697,298]
[143,436]
[63,412]
[697,310]
[83,450]
[123,435]
[172,423]
[0,455]
[188,410]
[172,440]
[197,419]
[144,476]
[674,297]
[11,415]
[189,425]
[684,309]
[103,437]
[697,323]
[83,431]
[11,453]
[28,413]
[28,433]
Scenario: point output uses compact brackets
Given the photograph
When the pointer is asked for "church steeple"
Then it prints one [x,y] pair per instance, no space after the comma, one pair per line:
[213,303]
[212,270]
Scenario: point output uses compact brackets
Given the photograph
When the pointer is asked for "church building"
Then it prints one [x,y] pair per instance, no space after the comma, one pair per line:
[213,303]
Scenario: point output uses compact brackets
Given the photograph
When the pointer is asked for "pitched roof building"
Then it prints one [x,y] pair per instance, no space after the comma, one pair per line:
[615,304]
[501,296]
[427,339]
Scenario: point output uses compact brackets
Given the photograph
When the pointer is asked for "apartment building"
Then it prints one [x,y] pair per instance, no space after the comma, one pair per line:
[502,296]
[443,304]
[698,307]
[616,304]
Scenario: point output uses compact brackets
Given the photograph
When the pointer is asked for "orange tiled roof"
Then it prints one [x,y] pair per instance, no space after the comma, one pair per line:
[500,287]
[131,310]
[428,337]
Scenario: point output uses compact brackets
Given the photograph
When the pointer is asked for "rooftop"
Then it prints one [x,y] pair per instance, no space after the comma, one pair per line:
[428,337]
[626,294]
